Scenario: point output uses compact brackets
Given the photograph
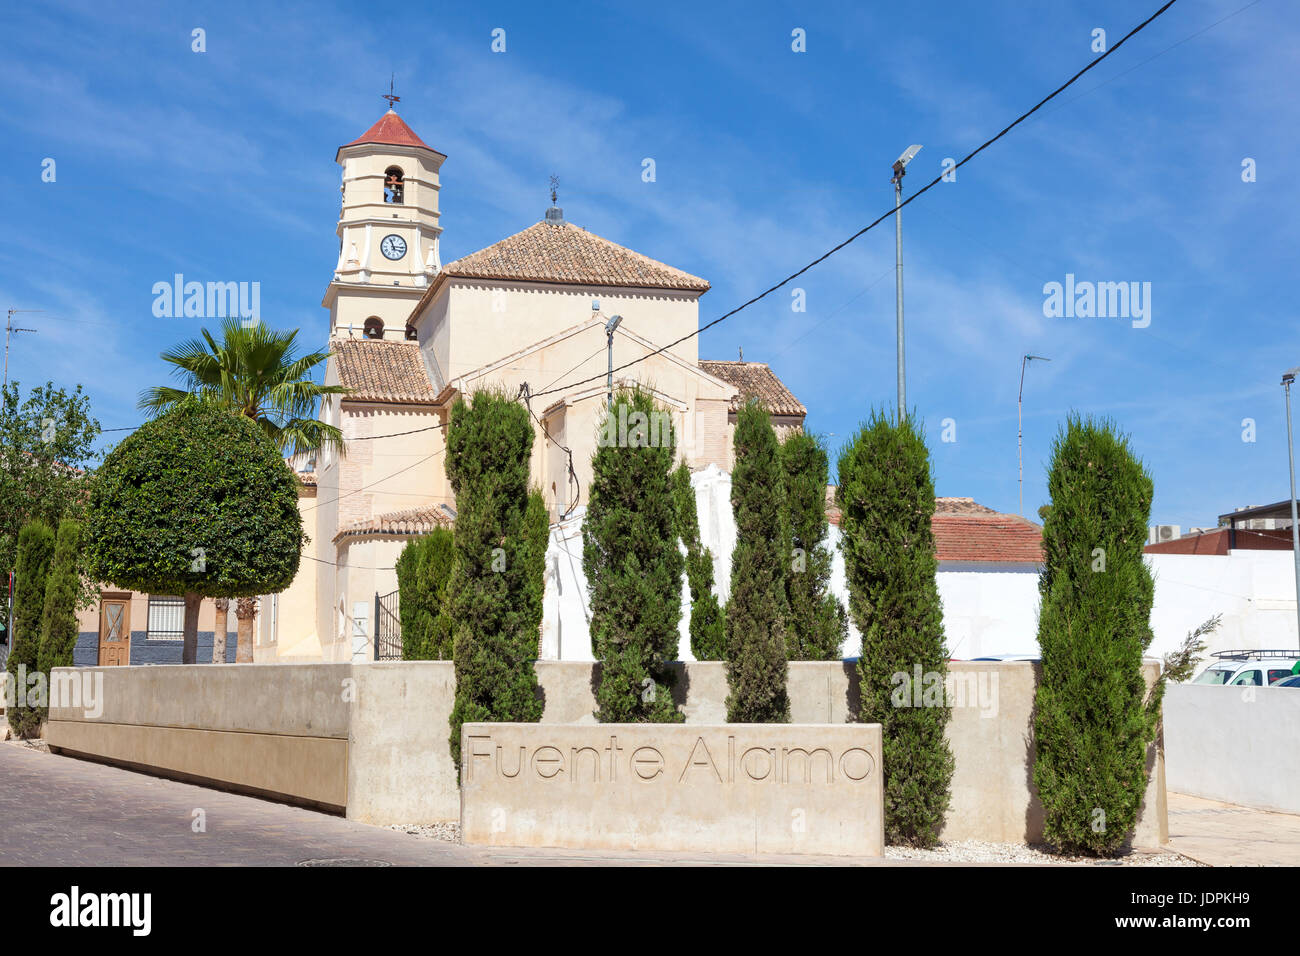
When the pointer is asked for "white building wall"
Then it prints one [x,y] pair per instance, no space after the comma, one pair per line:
[987,610]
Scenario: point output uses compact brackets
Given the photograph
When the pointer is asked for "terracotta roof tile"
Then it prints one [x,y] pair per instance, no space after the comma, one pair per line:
[564,253]
[756,379]
[965,531]
[391,130]
[411,521]
[987,538]
[382,371]
[960,506]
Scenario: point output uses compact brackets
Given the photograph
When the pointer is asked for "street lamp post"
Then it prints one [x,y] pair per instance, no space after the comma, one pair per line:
[1287,378]
[900,170]
[1020,424]
[610,326]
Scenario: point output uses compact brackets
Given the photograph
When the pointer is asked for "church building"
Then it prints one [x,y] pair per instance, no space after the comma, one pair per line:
[529,315]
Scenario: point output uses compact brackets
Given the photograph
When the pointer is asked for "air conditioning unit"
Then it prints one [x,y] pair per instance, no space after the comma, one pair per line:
[1163,532]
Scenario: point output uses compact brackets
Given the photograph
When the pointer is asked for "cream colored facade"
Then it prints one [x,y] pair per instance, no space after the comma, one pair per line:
[410,336]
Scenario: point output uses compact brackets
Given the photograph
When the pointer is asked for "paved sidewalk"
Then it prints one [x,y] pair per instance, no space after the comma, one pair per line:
[1223,834]
[60,811]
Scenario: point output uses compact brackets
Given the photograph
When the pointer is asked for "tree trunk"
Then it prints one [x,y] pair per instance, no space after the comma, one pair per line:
[245,608]
[190,642]
[221,631]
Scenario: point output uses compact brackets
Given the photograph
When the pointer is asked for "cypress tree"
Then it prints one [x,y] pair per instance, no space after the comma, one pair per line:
[818,624]
[423,569]
[35,553]
[886,495]
[633,566]
[494,593]
[1092,725]
[756,613]
[59,617]
[707,627]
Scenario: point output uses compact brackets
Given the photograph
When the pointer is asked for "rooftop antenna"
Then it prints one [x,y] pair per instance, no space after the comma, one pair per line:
[389,95]
[10,329]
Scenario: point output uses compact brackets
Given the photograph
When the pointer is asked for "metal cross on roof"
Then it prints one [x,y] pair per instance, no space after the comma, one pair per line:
[389,95]
[555,185]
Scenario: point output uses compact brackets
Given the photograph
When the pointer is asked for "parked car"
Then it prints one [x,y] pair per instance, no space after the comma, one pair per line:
[1007,657]
[1292,681]
[1257,668]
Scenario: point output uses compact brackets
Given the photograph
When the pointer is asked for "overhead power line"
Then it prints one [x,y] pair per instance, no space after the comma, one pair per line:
[878,220]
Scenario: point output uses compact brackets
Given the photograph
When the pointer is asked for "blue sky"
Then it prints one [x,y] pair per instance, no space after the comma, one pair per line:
[219,165]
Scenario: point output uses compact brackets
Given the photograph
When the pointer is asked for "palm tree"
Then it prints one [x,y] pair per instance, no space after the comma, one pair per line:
[254,371]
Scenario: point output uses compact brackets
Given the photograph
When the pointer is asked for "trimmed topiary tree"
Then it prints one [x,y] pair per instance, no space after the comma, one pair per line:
[818,624]
[633,566]
[197,503]
[423,569]
[886,496]
[1093,721]
[494,595]
[59,618]
[35,554]
[707,627]
[757,611]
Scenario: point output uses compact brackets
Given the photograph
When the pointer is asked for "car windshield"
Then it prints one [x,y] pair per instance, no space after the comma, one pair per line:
[1215,675]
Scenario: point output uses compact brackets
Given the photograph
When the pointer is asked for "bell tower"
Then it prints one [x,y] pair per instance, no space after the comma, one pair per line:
[388,230]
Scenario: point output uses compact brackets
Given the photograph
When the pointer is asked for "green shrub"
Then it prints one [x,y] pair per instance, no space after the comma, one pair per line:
[1092,722]
[494,595]
[818,624]
[756,614]
[423,569]
[886,496]
[707,628]
[197,502]
[632,564]
[63,586]
[35,554]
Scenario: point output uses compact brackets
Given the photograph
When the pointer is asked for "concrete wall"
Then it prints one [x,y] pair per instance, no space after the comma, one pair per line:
[990,733]
[1235,744]
[373,737]
[730,788]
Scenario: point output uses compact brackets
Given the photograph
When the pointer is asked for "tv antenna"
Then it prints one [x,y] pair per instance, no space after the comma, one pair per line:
[9,330]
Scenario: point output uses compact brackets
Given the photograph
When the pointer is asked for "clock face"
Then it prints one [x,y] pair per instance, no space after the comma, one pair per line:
[393,247]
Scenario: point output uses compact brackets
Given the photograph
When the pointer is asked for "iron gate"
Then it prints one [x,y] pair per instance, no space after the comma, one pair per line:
[388,628]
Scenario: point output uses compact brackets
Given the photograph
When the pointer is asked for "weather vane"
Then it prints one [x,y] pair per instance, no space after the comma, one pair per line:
[389,95]
[555,185]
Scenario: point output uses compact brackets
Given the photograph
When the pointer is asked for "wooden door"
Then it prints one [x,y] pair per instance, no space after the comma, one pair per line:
[115,631]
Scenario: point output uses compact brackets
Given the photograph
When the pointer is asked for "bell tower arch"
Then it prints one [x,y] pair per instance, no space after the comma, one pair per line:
[388,228]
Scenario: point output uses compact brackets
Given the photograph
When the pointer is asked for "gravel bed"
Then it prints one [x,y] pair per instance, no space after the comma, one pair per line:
[966,851]
[978,851]
[448,832]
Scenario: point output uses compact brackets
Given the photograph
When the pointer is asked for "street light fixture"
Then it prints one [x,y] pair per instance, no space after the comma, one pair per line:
[1287,378]
[610,326]
[900,170]
[1020,423]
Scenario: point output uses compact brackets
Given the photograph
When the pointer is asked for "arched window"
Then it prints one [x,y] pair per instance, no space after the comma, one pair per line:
[374,327]
[410,334]
[393,185]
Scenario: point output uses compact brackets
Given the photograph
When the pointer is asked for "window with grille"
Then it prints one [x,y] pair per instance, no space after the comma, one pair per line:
[166,618]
